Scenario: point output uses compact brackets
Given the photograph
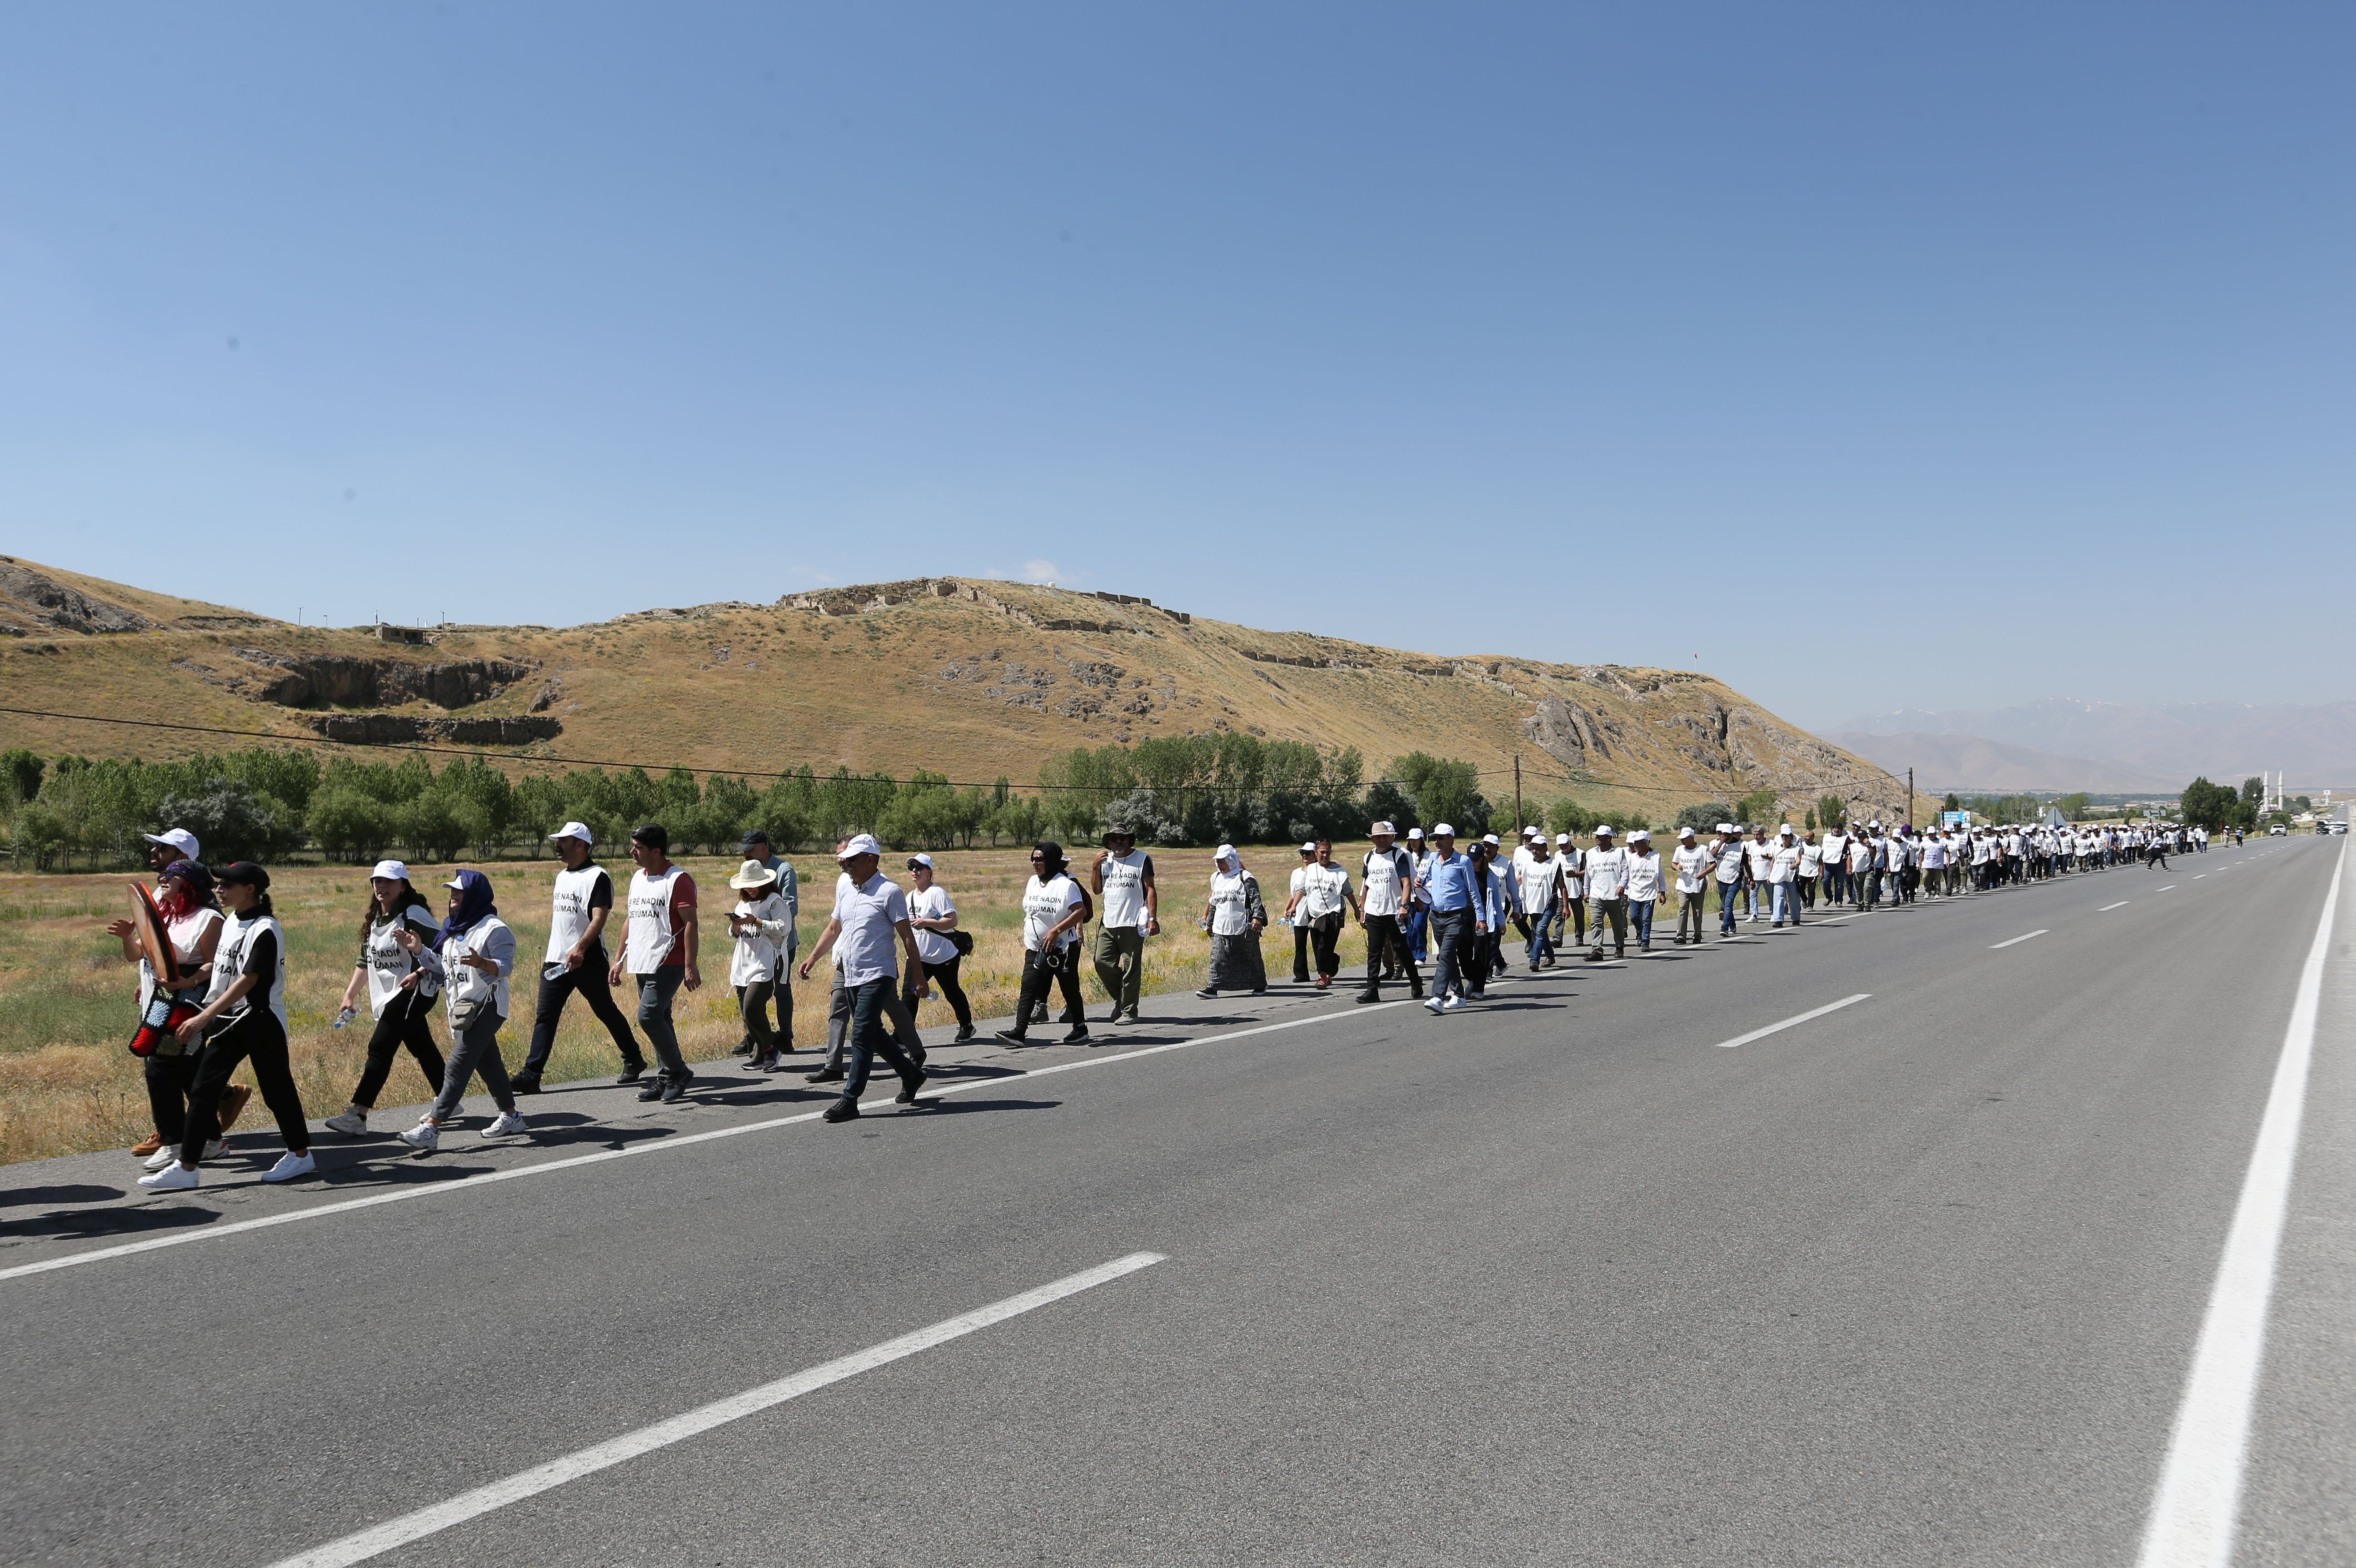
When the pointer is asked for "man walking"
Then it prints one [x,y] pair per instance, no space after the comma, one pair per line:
[1389,873]
[1444,886]
[870,914]
[659,952]
[1692,864]
[1540,873]
[574,960]
[1730,875]
[1607,895]
[1325,894]
[1122,880]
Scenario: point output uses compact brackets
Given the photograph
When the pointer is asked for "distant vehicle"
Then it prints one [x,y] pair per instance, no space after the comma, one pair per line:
[2277,831]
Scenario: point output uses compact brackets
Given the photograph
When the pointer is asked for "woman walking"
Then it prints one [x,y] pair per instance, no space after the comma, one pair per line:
[192,925]
[1235,915]
[473,957]
[1054,907]
[245,1016]
[399,992]
[759,923]
[934,917]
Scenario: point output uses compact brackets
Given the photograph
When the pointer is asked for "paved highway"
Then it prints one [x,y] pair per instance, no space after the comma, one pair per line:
[1921,1278]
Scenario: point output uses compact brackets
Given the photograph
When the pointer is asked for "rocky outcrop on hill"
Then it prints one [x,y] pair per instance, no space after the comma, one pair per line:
[45,602]
[397,729]
[331,680]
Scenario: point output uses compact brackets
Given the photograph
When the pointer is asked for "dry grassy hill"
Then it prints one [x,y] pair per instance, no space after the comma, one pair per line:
[972,678]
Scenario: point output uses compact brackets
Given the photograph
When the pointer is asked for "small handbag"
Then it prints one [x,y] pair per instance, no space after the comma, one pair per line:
[962,941]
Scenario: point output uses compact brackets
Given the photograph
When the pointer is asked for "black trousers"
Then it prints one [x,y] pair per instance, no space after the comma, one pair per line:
[407,1020]
[1324,942]
[1037,977]
[169,1079]
[259,1037]
[1386,944]
[1301,953]
[763,1035]
[945,975]
[588,979]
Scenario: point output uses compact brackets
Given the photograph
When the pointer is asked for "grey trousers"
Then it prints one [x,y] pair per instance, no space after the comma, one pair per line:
[474,1050]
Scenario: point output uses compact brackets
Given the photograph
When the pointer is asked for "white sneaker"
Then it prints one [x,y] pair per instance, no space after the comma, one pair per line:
[354,1122]
[163,1156]
[213,1149]
[173,1178]
[1455,1005]
[1436,1003]
[507,1125]
[423,1136]
[290,1166]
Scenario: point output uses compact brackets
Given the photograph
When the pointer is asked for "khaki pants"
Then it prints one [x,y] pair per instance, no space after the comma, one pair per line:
[1600,911]
[1120,964]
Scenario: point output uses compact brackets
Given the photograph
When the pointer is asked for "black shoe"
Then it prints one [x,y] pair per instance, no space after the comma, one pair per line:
[909,1083]
[1208,991]
[1416,994]
[632,1072]
[766,1062]
[1370,995]
[1014,1037]
[1113,1016]
[676,1090]
[653,1090]
[964,1033]
[524,1083]
[742,1048]
[1259,990]
[1079,1036]
[916,1053]
[824,1075]
[842,1111]
[773,1065]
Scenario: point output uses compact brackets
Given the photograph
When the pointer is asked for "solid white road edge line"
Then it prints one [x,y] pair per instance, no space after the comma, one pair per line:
[385,1536]
[2044,932]
[2198,1503]
[1787,1023]
[574,1162]
[2109,908]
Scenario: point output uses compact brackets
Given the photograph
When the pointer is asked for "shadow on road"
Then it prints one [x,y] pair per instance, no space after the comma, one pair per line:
[80,1192]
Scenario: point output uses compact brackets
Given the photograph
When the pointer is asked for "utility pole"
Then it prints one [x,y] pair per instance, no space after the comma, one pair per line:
[1910,795]
[1519,821]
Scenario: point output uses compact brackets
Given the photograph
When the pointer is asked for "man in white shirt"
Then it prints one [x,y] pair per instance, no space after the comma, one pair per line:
[870,914]
[1728,875]
[1574,891]
[1325,892]
[1645,889]
[1295,917]
[1811,867]
[1836,863]
[1607,895]
[1757,856]
[1122,877]
[1783,878]
[1692,863]
[1538,874]
[1389,873]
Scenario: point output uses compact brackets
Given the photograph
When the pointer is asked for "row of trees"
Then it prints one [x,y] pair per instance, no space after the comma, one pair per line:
[2216,806]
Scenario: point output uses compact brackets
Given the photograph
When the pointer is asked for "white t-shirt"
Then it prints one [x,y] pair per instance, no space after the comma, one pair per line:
[1124,892]
[1538,879]
[1045,903]
[1230,904]
[489,940]
[933,903]
[1299,884]
[1812,859]
[868,946]
[1607,873]
[1783,861]
[1322,888]
[1693,862]
[1644,876]
[755,956]
[1729,861]
[186,933]
[1386,879]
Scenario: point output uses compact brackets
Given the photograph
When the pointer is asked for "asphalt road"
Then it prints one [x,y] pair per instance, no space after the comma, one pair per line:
[1918,1280]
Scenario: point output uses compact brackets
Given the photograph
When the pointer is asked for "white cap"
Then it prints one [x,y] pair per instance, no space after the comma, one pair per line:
[1415,832]
[575,830]
[921,858]
[1603,830]
[1443,831]
[1685,832]
[1492,838]
[1310,848]
[1785,830]
[179,838]
[859,843]
[1562,838]
[1644,833]
[390,870]
[1223,852]
[1527,832]
[1726,827]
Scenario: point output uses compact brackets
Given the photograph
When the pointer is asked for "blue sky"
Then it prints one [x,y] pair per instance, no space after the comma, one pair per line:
[1867,357]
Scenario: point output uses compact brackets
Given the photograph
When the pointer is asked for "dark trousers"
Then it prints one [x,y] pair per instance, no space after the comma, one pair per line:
[262,1039]
[1037,977]
[867,1039]
[1301,953]
[407,1020]
[169,1079]
[1386,943]
[753,1007]
[779,1036]
[1324,942]
[655,994]
[945,975]
[1452,934]
[1613,912]
[1691,907]
[589,979]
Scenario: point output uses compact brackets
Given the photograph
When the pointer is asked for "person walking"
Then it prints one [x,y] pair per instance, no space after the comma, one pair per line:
[243,1018]
[1573,861]
[1296,918]
[1445,887]
[473,955]
[1235,915]
[940,947]
[1538,872]
[193,921]
[1758,855]
[1122,876]
[1811,867]
[755,847]
[1646,888]
[1607,895]
[871,914]
[899,1020]
[1389,875]
[759,924]
[1054,908]
[1419,919]
[399,992]
[1784,878]
[659,951]
[576,960]
[1728,875]
[1693,864]
[1325,894]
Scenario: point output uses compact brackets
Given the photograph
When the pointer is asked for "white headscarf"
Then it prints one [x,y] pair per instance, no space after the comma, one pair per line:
[1226,852]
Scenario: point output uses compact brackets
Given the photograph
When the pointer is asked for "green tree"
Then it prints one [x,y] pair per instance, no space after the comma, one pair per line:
[1444,790]
[1705,817]
[1759,809]
[348,825]
[2210,806]
[1832,810]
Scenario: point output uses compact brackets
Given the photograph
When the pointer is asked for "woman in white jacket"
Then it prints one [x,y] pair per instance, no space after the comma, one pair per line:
[762,925]
[474,958]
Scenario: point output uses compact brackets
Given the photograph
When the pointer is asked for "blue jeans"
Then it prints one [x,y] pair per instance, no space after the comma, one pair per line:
[867,1039]
[1640,915]
[1418,921]
[1542,934]
[1782,904]
[1727,893]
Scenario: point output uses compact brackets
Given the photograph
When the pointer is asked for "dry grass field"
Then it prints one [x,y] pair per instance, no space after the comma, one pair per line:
[68,1083]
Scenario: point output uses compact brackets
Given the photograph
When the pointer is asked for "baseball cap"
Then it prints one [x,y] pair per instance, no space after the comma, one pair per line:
[1382,830]
[1310,848]
[1685,833]
[1492,838]
[1443,831]
[245,873]
[1603,830]
[179,838]
[754,835]
[921,858]
[1785,828]
[575,830]
[390,870]
[859,843]
[1644,833]
[1726,827]
[1415,833]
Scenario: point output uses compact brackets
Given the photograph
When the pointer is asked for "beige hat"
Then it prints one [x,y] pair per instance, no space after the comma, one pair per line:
[752,874]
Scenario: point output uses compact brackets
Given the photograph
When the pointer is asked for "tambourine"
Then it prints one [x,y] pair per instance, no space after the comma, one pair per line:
[164,1012]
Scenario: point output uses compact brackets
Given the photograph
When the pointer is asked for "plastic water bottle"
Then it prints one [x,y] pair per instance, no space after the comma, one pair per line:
[342,1018]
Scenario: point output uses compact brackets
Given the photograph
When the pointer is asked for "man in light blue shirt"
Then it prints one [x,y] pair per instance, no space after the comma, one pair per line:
[1445,884]
[871,914]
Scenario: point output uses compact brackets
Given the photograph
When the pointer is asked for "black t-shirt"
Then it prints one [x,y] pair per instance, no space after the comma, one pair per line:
[260,960]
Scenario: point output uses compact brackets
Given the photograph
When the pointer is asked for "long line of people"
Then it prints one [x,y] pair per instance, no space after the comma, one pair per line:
[1420,900]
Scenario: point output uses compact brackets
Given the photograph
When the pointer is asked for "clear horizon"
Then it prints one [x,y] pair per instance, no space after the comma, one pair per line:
[1863,360]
